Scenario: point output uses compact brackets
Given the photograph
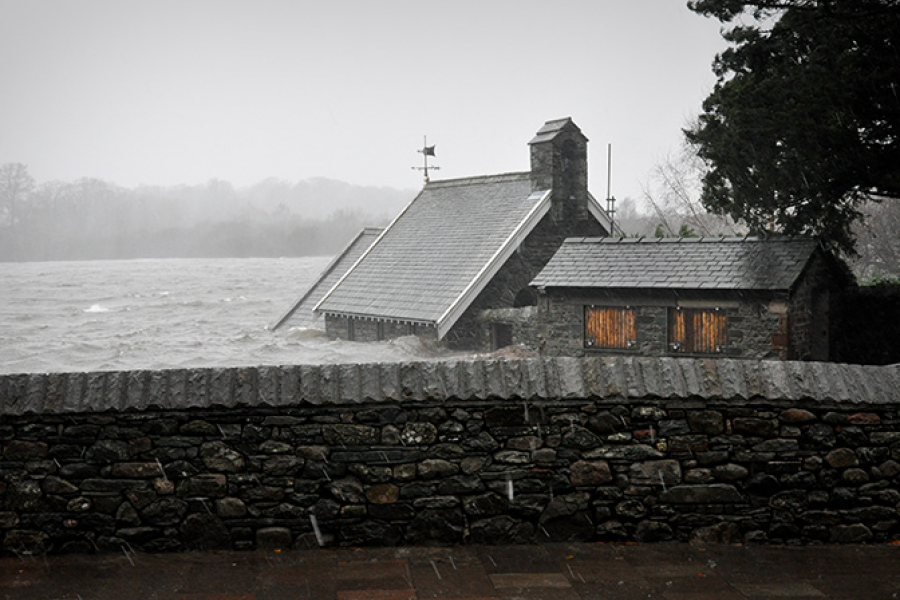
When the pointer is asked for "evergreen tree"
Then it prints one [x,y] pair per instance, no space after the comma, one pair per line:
[803,126]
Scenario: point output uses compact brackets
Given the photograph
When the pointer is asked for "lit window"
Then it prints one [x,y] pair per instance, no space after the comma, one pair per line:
[697,331]
[609,327]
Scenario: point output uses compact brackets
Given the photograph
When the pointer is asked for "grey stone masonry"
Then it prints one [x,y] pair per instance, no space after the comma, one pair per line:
[479,451]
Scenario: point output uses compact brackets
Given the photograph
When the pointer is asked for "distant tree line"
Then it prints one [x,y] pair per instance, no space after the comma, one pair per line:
[94,219]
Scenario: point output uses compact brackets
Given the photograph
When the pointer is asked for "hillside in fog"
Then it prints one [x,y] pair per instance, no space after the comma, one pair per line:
[95,219]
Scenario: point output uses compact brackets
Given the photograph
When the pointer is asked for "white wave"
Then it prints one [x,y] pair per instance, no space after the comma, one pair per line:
[96,308]
[305,333]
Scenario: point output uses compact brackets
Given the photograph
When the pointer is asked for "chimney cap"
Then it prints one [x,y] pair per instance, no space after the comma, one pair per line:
[551,129]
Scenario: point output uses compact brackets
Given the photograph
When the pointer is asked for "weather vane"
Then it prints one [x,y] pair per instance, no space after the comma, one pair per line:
[426,151]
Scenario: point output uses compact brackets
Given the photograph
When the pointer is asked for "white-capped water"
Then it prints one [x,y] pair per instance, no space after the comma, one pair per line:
[155,314]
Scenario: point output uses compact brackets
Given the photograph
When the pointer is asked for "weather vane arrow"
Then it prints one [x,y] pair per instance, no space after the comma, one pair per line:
[426,151]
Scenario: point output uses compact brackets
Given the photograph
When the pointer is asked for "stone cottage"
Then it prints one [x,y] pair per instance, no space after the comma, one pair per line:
[726,297]
[466,246]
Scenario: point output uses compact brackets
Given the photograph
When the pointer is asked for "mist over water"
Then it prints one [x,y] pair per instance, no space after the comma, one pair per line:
[168,313]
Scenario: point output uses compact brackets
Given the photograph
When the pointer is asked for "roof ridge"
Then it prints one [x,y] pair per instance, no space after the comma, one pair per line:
[690,240]
[473,180]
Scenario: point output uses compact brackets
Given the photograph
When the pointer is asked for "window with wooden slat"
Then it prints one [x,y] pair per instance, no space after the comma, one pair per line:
[697,331]
[609,327]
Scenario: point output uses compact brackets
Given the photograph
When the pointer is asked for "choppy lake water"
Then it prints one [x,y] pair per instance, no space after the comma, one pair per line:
[155,314]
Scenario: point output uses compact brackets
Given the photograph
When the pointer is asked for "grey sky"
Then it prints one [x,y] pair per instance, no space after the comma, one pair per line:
[167,92]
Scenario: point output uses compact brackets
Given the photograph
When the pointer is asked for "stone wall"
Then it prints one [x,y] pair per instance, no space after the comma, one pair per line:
[450,452]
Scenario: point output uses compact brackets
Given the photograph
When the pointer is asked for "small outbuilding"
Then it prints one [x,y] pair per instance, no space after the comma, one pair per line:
[720,297]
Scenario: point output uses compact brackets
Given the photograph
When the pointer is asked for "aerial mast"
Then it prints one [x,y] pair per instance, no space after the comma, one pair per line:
[426,151]
[610,199]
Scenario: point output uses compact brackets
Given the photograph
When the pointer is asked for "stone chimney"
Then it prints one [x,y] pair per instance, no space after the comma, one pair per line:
[559,162]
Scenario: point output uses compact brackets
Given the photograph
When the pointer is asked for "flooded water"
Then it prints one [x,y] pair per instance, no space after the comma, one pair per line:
[154,314]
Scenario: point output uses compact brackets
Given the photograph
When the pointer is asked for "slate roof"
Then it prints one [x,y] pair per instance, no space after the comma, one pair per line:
[301,312]
[440,251]
[678,263]
[551,129]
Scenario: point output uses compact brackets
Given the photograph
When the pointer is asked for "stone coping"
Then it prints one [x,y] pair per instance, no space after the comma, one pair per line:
[535,379]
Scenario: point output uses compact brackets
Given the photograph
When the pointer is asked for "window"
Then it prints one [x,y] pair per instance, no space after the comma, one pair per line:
[697,331]
[606,327]
[351,329]
[379,330]
[501,335]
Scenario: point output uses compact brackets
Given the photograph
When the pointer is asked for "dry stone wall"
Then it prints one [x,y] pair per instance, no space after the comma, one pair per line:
[450,452]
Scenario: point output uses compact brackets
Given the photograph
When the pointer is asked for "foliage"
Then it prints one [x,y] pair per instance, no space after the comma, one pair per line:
[802,126]
[870,324]
[878,242]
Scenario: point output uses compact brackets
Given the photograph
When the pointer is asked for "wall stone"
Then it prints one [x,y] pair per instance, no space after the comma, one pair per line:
[480,451]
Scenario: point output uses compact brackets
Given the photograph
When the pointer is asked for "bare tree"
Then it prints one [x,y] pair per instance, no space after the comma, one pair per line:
[877,242]
[15,186]
[673,193]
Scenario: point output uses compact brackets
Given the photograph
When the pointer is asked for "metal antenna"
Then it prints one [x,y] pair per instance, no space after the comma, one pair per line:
[426,151]
[610,199]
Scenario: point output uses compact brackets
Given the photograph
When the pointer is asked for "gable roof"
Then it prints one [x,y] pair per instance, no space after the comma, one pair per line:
[301,311]
[441,251]
[678,263]
[551,129]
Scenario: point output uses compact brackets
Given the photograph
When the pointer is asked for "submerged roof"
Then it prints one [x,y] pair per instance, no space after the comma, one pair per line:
[441,251]
[678,263]
[301,311]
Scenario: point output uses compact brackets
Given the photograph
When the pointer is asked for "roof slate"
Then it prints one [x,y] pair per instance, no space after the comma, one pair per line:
[678,263]
[551,129]
[435,249]
[301,312]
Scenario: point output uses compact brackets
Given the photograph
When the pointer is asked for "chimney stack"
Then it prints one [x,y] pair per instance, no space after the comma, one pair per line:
[559,163]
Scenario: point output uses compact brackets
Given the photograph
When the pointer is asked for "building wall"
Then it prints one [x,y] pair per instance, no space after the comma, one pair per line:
[754,326]
[369,330]
[510,286]
[459,452]
[814,312]
[519,324]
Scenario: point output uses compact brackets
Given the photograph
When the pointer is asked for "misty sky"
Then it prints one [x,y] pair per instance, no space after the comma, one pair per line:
[182,91]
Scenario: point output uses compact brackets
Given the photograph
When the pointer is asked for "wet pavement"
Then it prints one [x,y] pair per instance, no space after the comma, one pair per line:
[546,572]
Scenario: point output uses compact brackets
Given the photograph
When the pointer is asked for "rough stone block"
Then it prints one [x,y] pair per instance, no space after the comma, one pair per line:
[755,427]
[655,472]
[418,433]
[590,473]
[850,534]
[136,470]
[629,453]
[24,450]
[273,538]
[218,456]
[433,468]
[710,422]
[797,415]
[350,435]
[210,485]
[714,493]
[841,458]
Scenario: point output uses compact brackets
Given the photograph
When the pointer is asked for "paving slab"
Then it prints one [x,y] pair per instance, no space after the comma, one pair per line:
[539,572]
